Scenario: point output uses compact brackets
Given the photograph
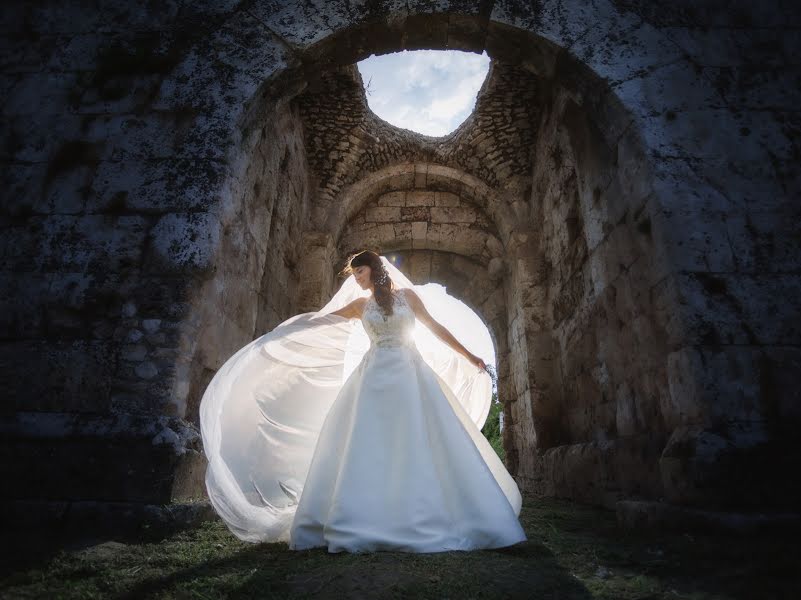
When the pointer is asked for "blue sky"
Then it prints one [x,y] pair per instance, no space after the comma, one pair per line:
[431,92]
[428,91]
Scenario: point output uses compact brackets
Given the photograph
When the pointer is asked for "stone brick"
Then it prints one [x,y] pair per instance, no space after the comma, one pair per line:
[184,240]
[452,215]
[70,376]
[393,199]
[94,242]
[416,213]
[446,199]
[419,198]
[382,214]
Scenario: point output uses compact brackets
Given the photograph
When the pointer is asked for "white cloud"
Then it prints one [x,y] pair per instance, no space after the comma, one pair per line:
[428,91]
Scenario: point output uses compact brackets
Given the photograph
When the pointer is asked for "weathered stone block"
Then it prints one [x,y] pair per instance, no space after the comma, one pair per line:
[452,215]
[667,91]
[419,234]
[446,199]
[124,470]
[420,198]
[711,133]
[725,47]
[184,241]
[90,243]
[38,94]
[629,419]
[741,309]
[51,142]
[646,47]
[729,468]
[403,236]
[600,472]
[465,33]
[22,298]
[244,42]
[393,199]
[315,22]
[551,20]
[765,241]
[382,214]
[42,375]
[155,186]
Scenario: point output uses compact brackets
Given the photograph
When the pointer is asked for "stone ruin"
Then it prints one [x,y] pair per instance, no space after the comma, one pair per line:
[622,209]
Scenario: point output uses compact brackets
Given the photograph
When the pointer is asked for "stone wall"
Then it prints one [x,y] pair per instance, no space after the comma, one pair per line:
[93,291]
[580,264]
[422,220]
[167,168]
[590,339]
[733,244]
[255,281]
[143,244]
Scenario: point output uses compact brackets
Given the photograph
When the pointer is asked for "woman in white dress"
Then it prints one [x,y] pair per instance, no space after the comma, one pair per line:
[351,428]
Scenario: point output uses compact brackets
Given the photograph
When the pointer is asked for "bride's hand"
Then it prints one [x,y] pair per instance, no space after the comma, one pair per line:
[477,362]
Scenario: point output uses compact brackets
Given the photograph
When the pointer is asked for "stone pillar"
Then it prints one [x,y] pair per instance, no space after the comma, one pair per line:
[317,268]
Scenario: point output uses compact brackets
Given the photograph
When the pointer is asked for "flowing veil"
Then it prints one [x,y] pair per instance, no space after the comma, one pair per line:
[262,412]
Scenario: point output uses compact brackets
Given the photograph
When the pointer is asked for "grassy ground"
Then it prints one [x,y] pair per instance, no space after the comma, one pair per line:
[573,552]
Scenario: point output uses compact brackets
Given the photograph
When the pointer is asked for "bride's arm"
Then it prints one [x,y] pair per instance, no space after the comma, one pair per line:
[352,310]
[439,330]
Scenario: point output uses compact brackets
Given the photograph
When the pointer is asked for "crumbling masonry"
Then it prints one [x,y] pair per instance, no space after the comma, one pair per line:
[622,209]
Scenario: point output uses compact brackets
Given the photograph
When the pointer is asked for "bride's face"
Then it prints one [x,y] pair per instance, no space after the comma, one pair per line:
[362,276]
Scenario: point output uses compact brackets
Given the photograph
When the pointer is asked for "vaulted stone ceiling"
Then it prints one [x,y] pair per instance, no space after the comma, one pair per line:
[345,140]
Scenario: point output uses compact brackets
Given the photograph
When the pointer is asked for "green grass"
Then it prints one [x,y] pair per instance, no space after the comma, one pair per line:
[573,552]
[492,427]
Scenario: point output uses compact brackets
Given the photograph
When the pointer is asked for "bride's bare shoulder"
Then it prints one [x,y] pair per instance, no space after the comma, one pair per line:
[359,303]
[358,307]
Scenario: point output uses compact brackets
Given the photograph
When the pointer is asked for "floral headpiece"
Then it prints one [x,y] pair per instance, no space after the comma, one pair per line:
[383,277]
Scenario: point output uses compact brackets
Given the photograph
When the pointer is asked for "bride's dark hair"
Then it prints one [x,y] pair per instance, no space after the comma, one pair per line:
[382,291]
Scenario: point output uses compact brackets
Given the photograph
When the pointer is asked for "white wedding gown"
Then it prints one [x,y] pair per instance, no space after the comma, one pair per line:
[399,465]
[384,453]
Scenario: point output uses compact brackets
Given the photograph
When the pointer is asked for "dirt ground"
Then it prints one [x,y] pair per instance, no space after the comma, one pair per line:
[573,552]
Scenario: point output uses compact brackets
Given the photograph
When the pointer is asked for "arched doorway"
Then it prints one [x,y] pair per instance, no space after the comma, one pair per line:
[540,159]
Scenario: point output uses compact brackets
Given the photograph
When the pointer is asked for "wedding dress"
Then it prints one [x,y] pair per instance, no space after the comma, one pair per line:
[357,435]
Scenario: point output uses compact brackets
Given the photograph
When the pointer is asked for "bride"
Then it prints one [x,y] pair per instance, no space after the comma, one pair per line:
[356,429]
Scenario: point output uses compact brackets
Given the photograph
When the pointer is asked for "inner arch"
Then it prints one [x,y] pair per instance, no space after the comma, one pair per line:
[542,149]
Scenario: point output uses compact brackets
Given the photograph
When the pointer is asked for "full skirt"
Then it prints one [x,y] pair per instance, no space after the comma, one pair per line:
[399,465]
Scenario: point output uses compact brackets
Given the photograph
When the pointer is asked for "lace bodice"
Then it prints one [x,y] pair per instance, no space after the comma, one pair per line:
[389,331]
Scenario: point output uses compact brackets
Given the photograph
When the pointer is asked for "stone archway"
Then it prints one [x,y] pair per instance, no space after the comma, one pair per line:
[326,194]
[406,210]
[187,207]
[541,252]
